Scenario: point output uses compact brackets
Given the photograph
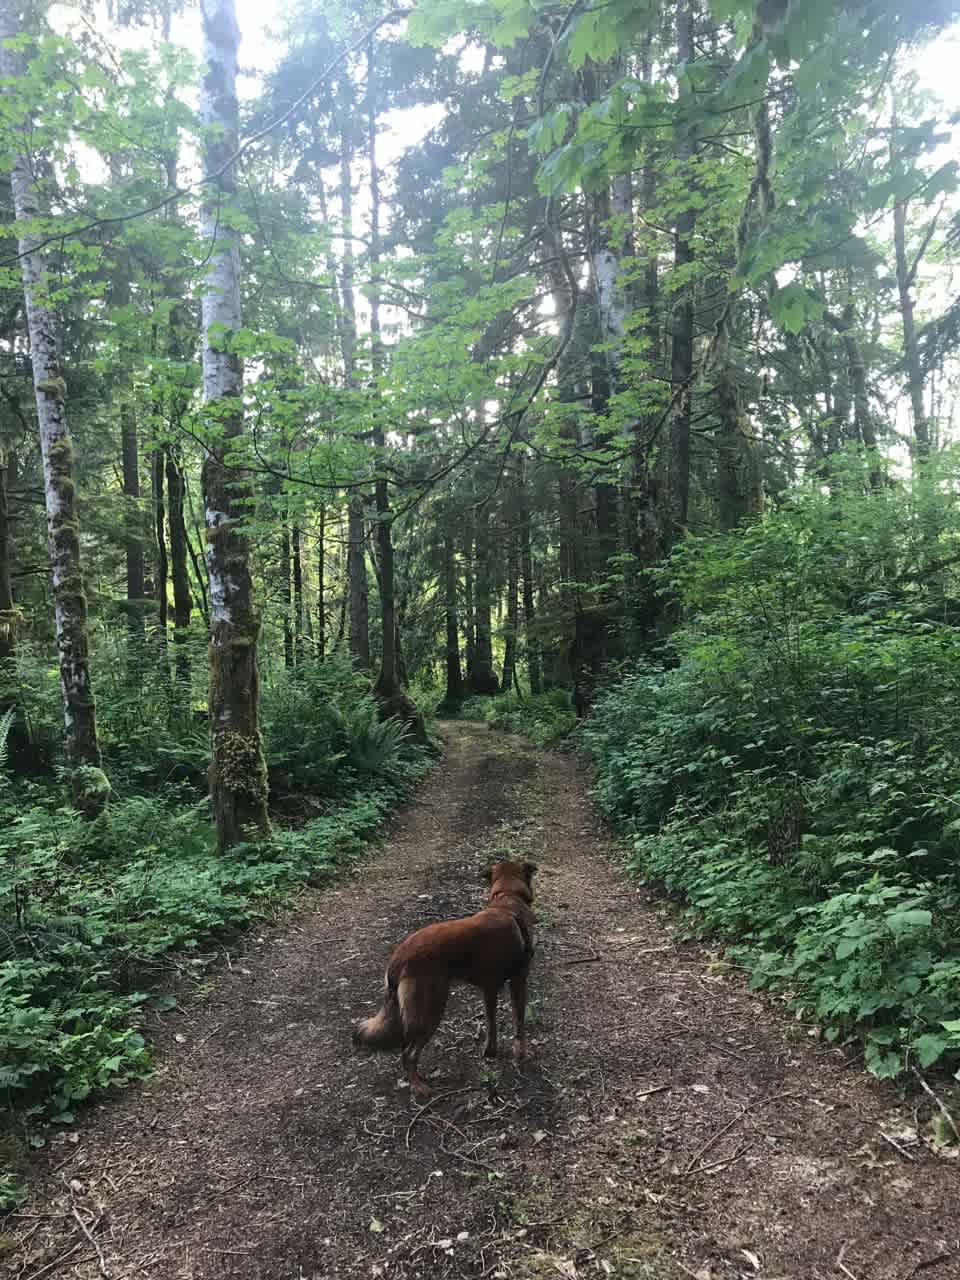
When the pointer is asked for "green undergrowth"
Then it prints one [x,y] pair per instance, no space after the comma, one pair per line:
[544,718]
[97,918]
[792,769]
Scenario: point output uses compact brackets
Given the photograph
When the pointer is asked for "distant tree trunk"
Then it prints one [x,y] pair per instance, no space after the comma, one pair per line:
[469,604]
[286,596]
[296,535]
[453,695]
[389,684]
[130,461]
[182,599]
[160,530]
[321,587]
[9,618]
[857,376]
[911,349]
[681,349]
[529,613]
[510,633]
[357,576]
[484,678]
[89,784]
[238,772]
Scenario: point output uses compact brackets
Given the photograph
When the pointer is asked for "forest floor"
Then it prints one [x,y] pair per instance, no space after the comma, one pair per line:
[670,1123]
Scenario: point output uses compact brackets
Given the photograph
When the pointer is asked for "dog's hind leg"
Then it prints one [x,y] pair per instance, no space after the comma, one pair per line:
[490,1007]
[422,1002]
[518,998]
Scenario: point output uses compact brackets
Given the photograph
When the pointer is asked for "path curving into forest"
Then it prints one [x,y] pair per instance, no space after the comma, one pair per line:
[669,1124]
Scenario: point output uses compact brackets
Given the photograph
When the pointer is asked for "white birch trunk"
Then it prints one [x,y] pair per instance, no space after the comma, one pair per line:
[90,787]
[238,774]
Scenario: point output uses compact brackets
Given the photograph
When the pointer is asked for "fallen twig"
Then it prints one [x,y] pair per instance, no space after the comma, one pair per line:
[841,1265]
[943,1110]
[927,1262]
[87,1232]
[437,1097]
[659,1088]
[754,1106]
[56,1262]
[896,1146]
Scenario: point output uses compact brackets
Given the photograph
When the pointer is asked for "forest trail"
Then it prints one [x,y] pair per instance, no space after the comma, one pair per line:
[669,1124]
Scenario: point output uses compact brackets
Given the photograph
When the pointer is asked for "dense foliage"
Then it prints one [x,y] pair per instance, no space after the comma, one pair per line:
[791,766]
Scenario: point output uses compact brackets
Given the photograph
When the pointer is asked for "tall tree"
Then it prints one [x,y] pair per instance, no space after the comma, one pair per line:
[238,771]
[89,784]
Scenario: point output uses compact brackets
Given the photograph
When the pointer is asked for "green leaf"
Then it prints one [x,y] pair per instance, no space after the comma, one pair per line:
[929,1048]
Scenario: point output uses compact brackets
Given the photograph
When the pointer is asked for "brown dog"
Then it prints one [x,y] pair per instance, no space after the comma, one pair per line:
[489,949]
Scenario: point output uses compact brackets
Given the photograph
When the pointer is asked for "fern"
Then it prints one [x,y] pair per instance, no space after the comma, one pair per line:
[6,724]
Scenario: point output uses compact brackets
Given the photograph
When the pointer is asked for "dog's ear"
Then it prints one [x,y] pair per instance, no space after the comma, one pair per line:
[486,875]
[528,869]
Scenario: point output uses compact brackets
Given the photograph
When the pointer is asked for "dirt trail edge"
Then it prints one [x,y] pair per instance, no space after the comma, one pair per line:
[669,1124]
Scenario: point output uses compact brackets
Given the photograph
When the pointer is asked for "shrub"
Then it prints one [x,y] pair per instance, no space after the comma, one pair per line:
[793,766]
[545,718]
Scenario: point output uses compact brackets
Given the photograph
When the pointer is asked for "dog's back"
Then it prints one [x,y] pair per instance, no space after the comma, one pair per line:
[487,950]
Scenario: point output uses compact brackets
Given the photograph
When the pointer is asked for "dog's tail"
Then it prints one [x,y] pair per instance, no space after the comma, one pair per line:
[384,1030]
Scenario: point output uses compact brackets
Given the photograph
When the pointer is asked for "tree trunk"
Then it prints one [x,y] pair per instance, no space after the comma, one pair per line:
[389,686]
[529,614]
[238,772]
[469,604]
[321,587]
[681,348]
[130,460]
[296,535]
[484,678]
[160,530]
[88,782]
[357,576]
[182,600]
[510,632]
[286,597]
[9,617]
[454,688]
[911,348]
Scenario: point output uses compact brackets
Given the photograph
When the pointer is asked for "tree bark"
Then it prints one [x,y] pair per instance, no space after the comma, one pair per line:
[160,530]
[389,686]
[911,348]
[454,685]
[296,536]
[182,599]
[321,587]
[483,679]
[238,772]
[89,784]
[359,591]
[130,461]
[510,632]
[529,613]
[286,596]
[681,348]
[9,617]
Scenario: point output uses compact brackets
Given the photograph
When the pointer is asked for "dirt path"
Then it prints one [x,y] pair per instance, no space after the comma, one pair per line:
[670,1123]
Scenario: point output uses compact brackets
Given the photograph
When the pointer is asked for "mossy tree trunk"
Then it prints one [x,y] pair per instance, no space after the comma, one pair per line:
[182,599]
[88,782]
[238,772]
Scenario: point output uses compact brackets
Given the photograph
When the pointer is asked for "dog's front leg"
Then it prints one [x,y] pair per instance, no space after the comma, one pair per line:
[518,998]
[490,1006]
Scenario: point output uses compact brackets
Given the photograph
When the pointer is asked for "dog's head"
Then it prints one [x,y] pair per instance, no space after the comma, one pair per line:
[511,877]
